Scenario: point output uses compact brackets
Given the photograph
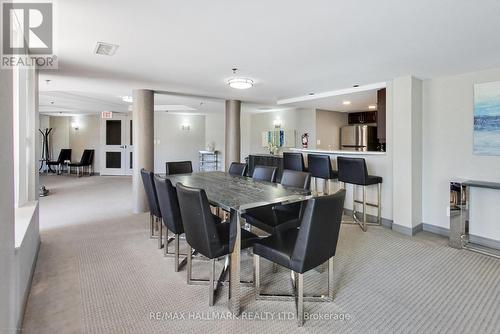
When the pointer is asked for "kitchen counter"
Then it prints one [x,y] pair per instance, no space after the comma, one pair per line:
[307,150]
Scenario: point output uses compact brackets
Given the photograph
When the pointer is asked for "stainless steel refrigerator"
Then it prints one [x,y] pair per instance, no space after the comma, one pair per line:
[358,138]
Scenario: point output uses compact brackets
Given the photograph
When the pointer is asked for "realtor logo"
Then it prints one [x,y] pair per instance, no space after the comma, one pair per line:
[27,35]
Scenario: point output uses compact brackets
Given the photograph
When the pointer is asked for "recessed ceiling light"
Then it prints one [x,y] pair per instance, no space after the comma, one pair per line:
[240,83]
[372,107]
[51,102]
[355,86]
[311,93]
[105,49]
[127,99]
[346,103]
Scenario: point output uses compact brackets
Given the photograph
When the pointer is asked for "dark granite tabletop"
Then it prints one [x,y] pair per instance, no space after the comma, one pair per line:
[238,192]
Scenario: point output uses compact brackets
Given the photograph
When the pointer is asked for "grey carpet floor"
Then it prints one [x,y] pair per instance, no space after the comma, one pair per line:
[98,272]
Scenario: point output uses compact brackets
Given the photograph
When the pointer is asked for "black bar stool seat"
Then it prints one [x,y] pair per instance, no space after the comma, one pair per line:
[320,167]
[355,172]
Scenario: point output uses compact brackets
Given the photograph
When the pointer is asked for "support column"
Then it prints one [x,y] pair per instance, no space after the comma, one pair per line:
[407,155]
[233,132]
[143,133]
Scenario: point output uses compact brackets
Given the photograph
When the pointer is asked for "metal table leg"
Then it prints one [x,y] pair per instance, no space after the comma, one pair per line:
[234,281]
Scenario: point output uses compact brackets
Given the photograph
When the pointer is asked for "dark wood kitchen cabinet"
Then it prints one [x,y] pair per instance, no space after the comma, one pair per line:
[381,120]
[364,117]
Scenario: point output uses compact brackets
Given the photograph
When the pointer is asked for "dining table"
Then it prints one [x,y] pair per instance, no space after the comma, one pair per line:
[236,194]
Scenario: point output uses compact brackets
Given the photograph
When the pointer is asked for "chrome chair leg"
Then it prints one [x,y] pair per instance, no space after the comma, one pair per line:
[330,278]
[151,226]
[256,273]
[189,264]
[176,253]
[300,299]
[211,290]
[379,206]
[160,233]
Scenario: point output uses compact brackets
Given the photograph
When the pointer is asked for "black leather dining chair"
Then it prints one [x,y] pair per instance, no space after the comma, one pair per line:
[179,167]
[64,155]
[293,161]
[276,218]
[303,249]
[152,199]
[320,167]
[238,168]
[171,216]
[204,234]
[86,161]
[355,172]
[264,173]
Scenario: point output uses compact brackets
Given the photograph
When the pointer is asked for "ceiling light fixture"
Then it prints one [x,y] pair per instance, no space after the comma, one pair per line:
[346,103]
[240,83]
[372,107]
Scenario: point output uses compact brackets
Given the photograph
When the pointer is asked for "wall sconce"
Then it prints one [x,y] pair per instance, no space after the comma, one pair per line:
[277,123]
[75,125]
[186,127]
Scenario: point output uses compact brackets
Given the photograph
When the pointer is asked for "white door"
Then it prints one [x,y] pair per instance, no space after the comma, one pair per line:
[116,145]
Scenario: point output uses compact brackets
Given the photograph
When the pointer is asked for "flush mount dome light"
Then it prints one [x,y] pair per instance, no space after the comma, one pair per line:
[240,83]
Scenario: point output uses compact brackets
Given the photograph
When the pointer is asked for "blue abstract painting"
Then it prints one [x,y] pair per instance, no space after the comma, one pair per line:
[487,118]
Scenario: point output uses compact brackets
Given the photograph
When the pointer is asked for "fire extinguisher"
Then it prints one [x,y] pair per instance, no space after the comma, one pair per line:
[305,140]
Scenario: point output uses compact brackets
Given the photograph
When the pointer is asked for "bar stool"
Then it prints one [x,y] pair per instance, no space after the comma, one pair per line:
[354,171]
[293,161]
[320,167]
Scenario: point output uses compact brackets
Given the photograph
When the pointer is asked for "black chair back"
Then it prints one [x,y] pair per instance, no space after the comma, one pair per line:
[150,189]
[179,167]
[293,161]
[87,158]
[352,170]
[319,232]
[292,178]
[264,173]
[199,224]
[64,154]
[169,205]
[319,165]
[238,168]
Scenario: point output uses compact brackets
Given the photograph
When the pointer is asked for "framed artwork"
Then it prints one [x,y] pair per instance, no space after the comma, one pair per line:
[487,118]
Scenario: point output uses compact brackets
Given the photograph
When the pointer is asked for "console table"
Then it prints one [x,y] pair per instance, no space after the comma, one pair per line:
[459,215]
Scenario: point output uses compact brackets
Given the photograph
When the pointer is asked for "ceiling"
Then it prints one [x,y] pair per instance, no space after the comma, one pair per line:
[359,102]
[290,48]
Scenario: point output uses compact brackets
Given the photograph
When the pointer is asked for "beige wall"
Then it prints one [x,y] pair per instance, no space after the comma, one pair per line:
[328,125]
[300,120]
[64,136]
[86,137]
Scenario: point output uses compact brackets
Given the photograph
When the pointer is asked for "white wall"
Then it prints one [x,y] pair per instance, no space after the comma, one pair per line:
[328,124]
[447,147]
[176,144]
[407,152]
[86,137]
[7,283]
[59,137]
[215,133]
[301,120]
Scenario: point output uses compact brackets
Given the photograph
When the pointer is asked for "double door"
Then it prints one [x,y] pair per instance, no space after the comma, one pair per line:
[117,148]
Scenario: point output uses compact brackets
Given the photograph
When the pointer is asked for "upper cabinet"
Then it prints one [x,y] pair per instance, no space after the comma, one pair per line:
[362,117]
[381,120]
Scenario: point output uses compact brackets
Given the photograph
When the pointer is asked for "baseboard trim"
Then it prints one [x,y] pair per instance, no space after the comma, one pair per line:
[443,231]
[28,290]
[385,222]
[482,241]
[410,231]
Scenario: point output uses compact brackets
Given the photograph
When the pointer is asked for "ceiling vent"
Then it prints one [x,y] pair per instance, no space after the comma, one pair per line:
[105,49]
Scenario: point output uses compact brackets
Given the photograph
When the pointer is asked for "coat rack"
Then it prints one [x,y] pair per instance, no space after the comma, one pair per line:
[45,151]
